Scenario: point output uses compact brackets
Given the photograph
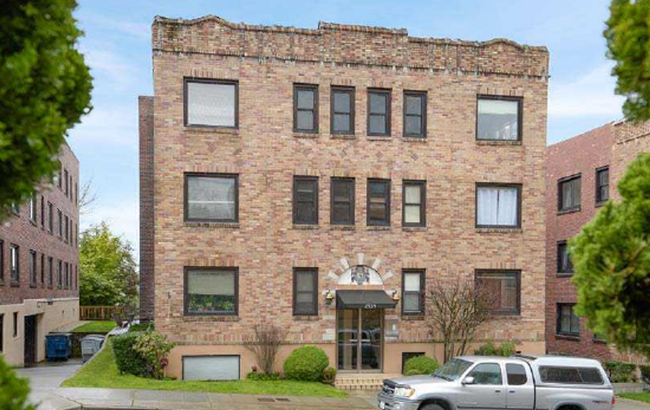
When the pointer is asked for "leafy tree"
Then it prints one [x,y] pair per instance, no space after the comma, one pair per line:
[611,258]
[44,89]
[628,43]
[108,270]
[13,389]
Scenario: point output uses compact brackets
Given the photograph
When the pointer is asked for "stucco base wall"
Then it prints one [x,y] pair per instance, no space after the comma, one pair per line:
[392,362]
[60,313]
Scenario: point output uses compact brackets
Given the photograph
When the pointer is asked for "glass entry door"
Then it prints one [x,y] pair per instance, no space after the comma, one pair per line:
[359,341]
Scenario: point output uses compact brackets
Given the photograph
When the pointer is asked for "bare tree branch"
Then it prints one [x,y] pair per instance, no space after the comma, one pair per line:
[87,196]
[265,344]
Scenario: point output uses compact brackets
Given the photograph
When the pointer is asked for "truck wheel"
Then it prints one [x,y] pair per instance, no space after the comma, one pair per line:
[432,406]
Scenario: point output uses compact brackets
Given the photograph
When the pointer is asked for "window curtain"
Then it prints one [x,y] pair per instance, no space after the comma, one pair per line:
[211,283]
[211,104]
[497,206]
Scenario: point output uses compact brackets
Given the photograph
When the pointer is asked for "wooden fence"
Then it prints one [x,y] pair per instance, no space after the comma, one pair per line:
[99,312]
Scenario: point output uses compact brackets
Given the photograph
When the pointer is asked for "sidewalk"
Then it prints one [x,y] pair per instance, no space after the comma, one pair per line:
[78,399]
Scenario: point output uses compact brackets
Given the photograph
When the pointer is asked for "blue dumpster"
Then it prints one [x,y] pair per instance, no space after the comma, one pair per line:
[58,346]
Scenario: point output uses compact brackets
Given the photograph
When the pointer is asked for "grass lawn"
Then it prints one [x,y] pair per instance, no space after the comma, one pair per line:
[100,326]
[645,396]
[102,372]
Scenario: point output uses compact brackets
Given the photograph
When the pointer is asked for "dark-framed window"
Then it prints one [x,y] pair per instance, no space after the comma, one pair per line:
[499,118]
[60,223]
[414,203]
[14,263]
[66,190]
[342,207]
[305,108]
[2,333]
[503,288]
[409,355]
[15,324]
[33,206]
[66,230]
[2,262]
[305,291]
[211,197]
[60,177]
[50,272]
[305,200]
[59,274]
[415,114]
[379,104]
[66,277]
[211,103]
[211,291]
[568,193]
[564,265]
[42,269]
[42,212]
[413,284]
[498,205]
[568,323]
[378,202]
[50,217]
[32,269]
[342,110]
[602,185]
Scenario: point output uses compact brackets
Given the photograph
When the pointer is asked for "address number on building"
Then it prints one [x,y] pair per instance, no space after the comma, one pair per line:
[370,306]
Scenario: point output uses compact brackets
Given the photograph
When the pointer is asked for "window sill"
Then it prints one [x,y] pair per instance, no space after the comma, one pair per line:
[206,129]
[378,137]
[412,316]
[308,135]
[15,284]
[343,136]
[599,341]
[575,338]
[599,204]
[564,275]
[305,227]
[422,140]
[499,230]
[230,225]
[378,228]
[306,318]
[211,318]
[33,285]
[568,211]
[414,228]
[498,142]
[343,227]
[505,315]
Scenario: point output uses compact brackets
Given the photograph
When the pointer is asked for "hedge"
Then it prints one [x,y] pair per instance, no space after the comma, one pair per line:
[420,365]
[306,363]
[128,361]
[620,372]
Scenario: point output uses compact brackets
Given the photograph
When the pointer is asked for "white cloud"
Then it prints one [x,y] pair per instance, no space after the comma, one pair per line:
[120,73]
[123,218]
[590,94]
[109,124]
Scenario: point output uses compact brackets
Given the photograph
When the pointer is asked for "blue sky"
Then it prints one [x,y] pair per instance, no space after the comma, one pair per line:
[118,51]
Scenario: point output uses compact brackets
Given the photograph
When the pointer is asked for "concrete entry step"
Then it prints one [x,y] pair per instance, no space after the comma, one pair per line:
[362,381]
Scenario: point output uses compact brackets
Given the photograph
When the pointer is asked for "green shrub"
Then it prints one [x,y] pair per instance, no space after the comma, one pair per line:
[620,372]
[645,373]
[13,389]
[154,348]
[127,359]
[421,365]
[306,363]
[141,327]
[329,375]
[263,377]
[507,349]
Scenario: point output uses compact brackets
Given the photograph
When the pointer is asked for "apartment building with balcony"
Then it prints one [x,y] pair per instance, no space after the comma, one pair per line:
[39,265]
[321,180]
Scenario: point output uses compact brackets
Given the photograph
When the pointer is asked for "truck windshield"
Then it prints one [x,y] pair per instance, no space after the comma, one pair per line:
[453,369]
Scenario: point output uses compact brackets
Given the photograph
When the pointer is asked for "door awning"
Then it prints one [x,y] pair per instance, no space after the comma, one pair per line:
[364,299]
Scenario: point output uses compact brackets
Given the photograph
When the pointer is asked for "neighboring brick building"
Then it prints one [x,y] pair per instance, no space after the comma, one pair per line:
[581,175]
[39,263]
[291,184]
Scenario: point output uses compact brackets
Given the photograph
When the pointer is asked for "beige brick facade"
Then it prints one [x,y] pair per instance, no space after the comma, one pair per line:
[266,154]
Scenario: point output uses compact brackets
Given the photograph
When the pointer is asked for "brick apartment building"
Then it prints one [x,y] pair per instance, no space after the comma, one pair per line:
[321,179]
[39,263]
[581,175]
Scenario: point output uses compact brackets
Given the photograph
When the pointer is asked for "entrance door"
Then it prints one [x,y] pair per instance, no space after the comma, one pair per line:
[30,340]
[359,340]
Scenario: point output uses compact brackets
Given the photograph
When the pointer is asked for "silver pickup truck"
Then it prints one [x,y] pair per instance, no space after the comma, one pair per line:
[519,382]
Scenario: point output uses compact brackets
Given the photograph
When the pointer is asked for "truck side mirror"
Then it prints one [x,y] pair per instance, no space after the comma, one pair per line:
[468,380]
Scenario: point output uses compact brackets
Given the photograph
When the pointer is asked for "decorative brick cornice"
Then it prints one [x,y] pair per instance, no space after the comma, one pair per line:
[346,44]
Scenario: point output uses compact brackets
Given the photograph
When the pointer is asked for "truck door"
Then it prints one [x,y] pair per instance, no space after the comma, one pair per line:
[486,391]
[520,387]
